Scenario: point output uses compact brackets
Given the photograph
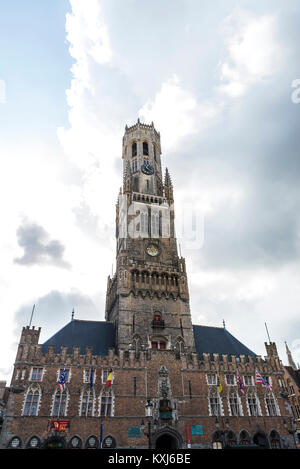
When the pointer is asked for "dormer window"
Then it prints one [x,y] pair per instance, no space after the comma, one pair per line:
[145,148]
[134,149]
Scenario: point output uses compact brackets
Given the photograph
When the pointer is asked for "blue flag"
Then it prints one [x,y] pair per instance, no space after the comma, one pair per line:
[92,378]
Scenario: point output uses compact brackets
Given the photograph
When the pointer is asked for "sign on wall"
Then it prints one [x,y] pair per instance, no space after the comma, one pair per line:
[197,429]
[60,425]
[134,432]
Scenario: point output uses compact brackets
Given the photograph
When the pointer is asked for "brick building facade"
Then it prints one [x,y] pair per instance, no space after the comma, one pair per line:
[174,384]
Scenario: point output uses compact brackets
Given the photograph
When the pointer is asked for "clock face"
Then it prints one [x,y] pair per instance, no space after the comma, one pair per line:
[147,168]
[152,250]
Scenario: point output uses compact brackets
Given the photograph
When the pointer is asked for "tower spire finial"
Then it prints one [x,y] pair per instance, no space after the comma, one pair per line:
[290,357]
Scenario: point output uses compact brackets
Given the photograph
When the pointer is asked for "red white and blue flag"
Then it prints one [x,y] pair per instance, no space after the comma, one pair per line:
[61,383]
[261,380]
[240,383]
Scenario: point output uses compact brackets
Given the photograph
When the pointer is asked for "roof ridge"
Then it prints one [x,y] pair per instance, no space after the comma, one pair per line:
[211,327]
[89,320]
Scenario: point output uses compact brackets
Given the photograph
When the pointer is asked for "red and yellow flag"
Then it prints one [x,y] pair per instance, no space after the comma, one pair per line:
[108,381]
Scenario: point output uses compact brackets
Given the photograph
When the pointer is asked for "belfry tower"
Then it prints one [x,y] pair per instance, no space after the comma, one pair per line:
[148,297]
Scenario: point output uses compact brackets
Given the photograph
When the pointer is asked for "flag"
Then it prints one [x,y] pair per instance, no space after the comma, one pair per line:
[108,381]
[91,378]
[61,383]
[240,383]
[219,385]
[261,380]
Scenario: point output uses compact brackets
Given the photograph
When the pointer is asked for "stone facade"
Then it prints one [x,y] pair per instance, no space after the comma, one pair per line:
[154,360]
[291,390]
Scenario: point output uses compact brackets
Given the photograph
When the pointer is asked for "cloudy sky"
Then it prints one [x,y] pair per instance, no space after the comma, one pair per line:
[221,81]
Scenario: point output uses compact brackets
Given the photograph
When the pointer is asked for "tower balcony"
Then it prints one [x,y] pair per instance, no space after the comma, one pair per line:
[148,198]
[158,323]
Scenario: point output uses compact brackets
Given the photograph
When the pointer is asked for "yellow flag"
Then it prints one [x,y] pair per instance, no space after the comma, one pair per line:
[219,385]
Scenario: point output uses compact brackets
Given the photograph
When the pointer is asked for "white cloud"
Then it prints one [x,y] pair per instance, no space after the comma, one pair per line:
[177,113]
[88,36]
[92,142]
[172,110]
[253,51]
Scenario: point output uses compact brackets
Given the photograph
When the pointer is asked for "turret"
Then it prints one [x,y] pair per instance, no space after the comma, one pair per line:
[168,187]
[290,358]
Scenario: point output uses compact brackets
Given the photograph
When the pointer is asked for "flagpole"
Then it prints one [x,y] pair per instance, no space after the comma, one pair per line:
[101,435]
[31,315]
[267,333]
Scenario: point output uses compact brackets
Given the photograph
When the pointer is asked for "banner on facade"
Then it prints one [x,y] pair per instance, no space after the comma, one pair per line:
[60,425]
[188,436]
[197,429]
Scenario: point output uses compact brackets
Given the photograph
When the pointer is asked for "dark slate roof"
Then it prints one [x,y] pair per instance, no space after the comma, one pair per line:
[99,335]
[218,340]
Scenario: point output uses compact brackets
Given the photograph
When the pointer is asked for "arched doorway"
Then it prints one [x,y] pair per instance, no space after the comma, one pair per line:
[166,441]
[261,440]
[54,442]
[167,438]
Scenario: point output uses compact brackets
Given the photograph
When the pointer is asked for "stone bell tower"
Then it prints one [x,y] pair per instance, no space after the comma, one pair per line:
[148,297]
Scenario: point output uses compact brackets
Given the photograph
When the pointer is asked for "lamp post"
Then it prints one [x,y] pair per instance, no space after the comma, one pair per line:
[292,430]
[149,416]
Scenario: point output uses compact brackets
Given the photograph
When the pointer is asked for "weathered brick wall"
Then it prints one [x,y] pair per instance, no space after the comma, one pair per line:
[188,388]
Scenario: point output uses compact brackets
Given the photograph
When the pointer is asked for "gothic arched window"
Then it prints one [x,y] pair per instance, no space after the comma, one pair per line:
[144,223]
[59,407]
[32,401]
[234,404]
[87,403]
[155,225]
[145,149]
[134,166]
[271,405]
[214,402]
[134,149]
[253,404]
[106,401]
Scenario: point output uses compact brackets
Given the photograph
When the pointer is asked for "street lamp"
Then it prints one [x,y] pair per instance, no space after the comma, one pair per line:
[293,430]
[149,409]
[149,416]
